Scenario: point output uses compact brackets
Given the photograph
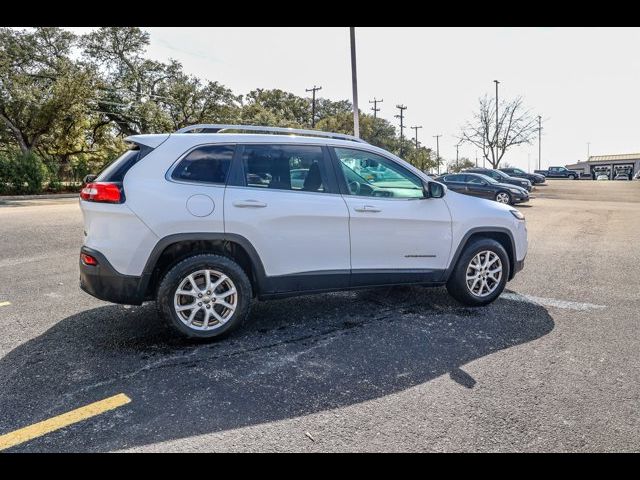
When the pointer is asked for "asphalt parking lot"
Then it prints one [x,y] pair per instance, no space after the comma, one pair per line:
[552,365]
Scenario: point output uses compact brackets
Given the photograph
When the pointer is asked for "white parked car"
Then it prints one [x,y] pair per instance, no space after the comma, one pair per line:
[602,176]
[203,220]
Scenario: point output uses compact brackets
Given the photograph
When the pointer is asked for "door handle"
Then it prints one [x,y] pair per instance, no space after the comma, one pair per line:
[368,209]
[249,203]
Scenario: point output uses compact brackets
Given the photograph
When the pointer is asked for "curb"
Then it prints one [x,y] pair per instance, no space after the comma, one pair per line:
[39,197]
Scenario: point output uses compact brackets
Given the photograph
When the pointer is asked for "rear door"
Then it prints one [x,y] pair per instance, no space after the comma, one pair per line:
[286,204]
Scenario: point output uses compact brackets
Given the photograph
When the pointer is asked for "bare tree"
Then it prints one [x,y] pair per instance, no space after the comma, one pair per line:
[516,126]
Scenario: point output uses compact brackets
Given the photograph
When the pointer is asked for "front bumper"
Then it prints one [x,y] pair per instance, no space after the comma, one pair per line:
[519,198]
[104,282]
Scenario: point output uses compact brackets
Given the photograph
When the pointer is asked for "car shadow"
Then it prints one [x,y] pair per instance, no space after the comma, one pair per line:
[294,357]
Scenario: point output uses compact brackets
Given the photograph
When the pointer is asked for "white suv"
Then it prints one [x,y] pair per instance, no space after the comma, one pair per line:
[204,221]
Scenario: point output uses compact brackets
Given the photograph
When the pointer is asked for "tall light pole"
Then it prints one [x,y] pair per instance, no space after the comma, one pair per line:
[539,142]
[375,108]
[496,139]
[588,144]
[313,104]
[354,82]
[457,145]
[476,158]
[416,129]
[437,137]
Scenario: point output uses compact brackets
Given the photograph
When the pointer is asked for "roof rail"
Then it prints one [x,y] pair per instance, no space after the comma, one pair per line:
[217,128]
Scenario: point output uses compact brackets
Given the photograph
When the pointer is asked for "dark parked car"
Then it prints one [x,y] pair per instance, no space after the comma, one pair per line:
[559,172]
[478,185]
[501,177]
[516,172]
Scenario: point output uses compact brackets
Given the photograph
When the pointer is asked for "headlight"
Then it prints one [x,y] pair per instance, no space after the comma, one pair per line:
[515,190]
[517,214]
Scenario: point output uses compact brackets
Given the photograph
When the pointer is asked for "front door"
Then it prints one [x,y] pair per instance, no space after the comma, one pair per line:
[397,235]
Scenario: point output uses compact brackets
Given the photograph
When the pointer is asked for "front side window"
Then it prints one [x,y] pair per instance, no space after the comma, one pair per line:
[284,167]
[474,179]
[207,164]
[371,175]
[453,178]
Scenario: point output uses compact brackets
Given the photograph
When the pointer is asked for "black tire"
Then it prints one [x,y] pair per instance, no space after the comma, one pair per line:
[572,177]
[503,192]
[457,284]
[172,279]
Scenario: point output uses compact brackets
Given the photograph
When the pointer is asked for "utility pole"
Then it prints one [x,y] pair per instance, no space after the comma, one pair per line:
[476,158]
[313,104]
[457,162]
[402,108]
[437,137]
[539,142]
[354,83]
[495,159]
[375,106]
[588,143]
[416,129]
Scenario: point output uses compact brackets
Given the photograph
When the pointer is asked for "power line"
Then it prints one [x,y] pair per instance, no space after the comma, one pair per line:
[375,108]
[313,104]
[402,108]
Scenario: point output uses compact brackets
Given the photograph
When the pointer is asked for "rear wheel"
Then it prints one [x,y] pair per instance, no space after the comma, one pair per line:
[481,273]
[503,197]
[205,296]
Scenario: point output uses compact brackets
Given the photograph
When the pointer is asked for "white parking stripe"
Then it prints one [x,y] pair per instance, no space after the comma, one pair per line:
[551,302]
[4,304]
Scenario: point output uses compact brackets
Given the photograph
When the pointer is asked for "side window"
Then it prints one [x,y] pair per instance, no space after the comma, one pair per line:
[207,164]
[473,179]
[368,174]
[284,167]
[454,178]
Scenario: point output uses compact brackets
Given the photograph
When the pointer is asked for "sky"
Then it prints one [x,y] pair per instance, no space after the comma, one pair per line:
[584,82]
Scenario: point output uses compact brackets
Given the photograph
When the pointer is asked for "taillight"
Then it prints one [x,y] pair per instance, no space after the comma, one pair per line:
[101,192]
[88,259]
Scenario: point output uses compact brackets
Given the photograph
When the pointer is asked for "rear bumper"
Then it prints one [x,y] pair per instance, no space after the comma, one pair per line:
[104,282]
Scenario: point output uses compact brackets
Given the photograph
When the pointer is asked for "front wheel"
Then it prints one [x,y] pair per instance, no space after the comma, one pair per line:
[572,177]
[503,197]
[205,296]
[480,274]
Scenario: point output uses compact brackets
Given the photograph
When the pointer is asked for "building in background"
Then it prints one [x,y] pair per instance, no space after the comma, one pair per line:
[611,165]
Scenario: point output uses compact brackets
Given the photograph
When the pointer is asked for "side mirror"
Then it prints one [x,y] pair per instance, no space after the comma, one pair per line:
[433,190]
[89,178]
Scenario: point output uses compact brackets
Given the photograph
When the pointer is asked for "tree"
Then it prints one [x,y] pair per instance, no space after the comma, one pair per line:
[422,158]
[42,89]
[130,86]
[188,101]
[461,164]
[516,126]
[275,108]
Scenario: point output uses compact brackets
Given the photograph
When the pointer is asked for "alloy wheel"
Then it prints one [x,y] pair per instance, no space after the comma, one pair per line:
[205,300]
[484,273]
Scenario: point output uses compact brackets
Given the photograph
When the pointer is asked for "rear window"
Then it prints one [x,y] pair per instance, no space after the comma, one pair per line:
[208,164]
[116,170]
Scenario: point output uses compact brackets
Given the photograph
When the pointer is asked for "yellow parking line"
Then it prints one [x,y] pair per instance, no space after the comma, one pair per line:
[55,423]
[4,304]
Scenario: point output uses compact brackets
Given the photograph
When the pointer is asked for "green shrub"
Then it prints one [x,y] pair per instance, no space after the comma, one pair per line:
[22,174]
